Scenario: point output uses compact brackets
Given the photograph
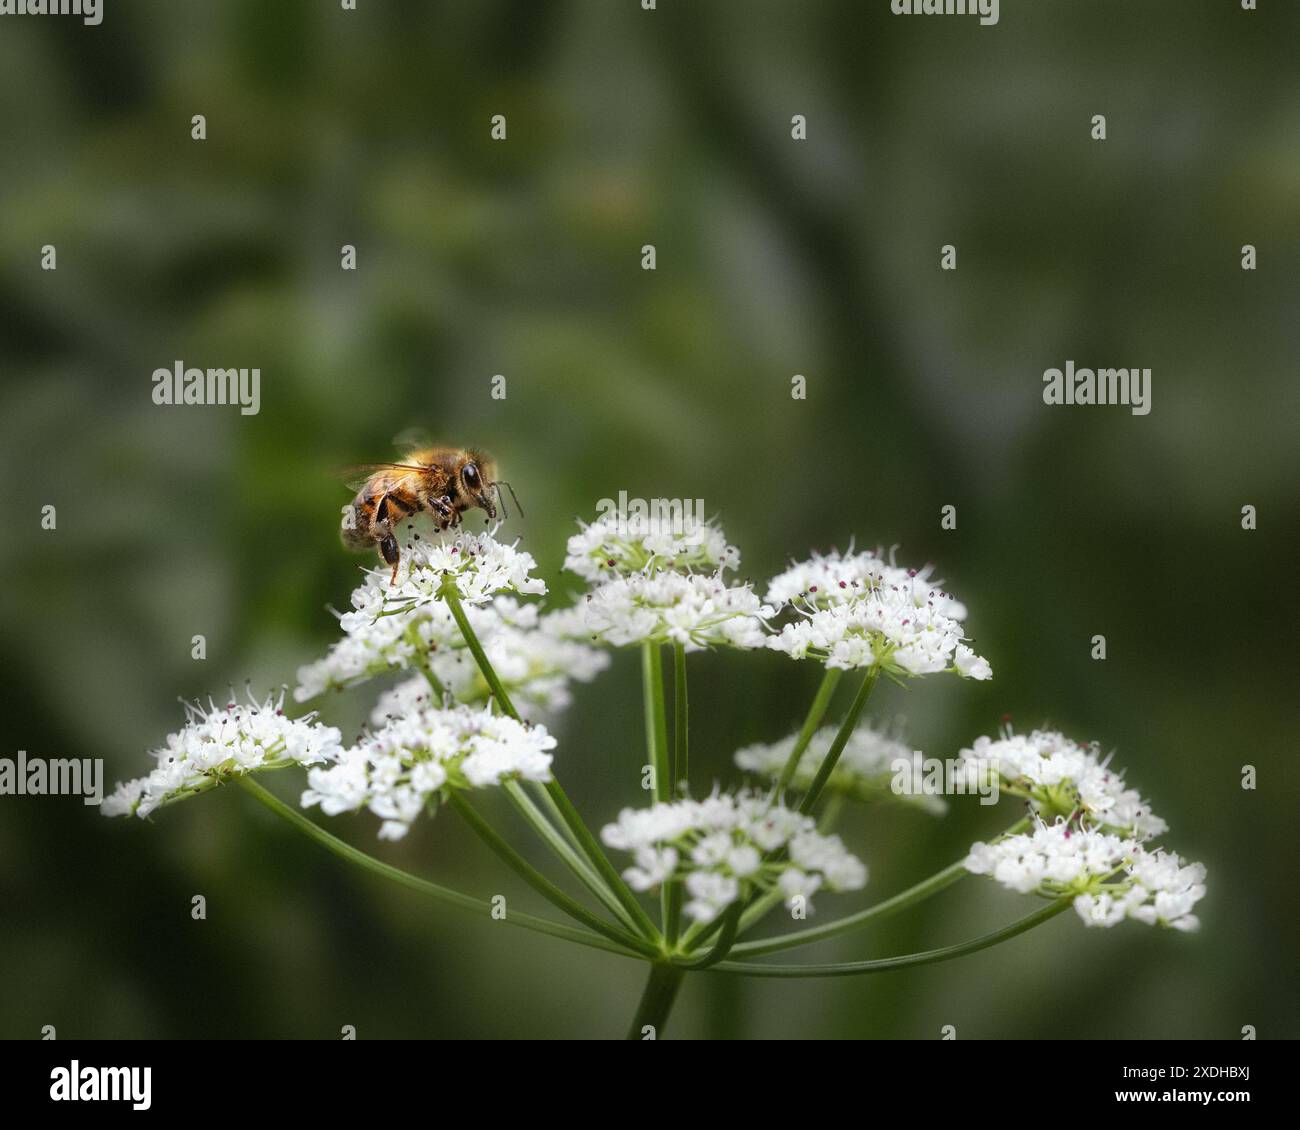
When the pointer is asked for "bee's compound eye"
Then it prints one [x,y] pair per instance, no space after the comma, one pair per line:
[471,477]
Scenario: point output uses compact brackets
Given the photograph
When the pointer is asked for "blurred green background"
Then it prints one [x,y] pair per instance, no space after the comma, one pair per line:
[522,258]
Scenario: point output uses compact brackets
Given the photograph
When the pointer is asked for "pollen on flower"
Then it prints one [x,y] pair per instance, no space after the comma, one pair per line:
[219,743]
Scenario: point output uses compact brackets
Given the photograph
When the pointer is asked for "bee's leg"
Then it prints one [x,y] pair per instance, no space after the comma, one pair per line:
[444,514]
[391,554]
[387,543]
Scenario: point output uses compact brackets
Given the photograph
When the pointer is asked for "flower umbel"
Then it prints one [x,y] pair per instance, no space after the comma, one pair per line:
[1062,778]
[220,743]
[870,761]
[478,565]
[414,760]
[1111,877]
[533,653]
[623,544]
[717,847]
[695,611]
[858,611]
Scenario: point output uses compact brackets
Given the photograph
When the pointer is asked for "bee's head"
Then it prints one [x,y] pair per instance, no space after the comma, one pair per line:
[476,480]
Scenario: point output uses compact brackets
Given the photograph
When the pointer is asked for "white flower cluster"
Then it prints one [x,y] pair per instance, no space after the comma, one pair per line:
[870,762]
[717,849]
[859,611]
[534,653]
[417,758]
[691,609]
[1111,877]
[839,578]
[1061,778]
[480,565]
[219,743]
[623,544]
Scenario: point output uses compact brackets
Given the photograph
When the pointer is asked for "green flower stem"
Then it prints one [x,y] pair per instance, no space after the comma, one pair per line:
[681,718]
[553,839]
[435,684]
[921,891]
[656,728]
[926,888]
[448,591]
[759,905]
[883,964]
[841,740]
[830,814]
[599,860]
[542,797]
[541,884]
[656,743]
[570,818]
[816,712]
[656,1001]
[722,947]
[433,890]
[681,773]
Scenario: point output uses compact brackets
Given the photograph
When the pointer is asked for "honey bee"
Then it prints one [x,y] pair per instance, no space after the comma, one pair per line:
[442,482]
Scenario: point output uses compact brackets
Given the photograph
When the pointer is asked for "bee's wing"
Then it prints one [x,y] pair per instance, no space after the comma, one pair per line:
[413,439]
[356,475]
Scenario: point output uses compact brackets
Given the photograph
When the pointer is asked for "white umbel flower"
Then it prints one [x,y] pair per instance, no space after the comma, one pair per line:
[1061,778]
[901,624]
[414,760]
[480,566]
[840,578]
[1111,877]
[219,743]
[673,608]
[716,848]
[534,653]
[865,771]
[623,543]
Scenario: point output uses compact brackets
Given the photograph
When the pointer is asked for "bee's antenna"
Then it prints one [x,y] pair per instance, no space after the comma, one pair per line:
[499,484]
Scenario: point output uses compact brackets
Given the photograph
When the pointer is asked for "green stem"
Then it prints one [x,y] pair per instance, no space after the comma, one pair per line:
[413,882]
[926,888]
[564,851]
[883,964]
[540,883]
[451,595]
[600,860]
[830,814]
[681,775]
[656,742]
[759,905]
[569,815]
[923,890]
[656,1001]
[841,740]
[435,684]
[722,947]
[816,712]
[681,717]
[656,728]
